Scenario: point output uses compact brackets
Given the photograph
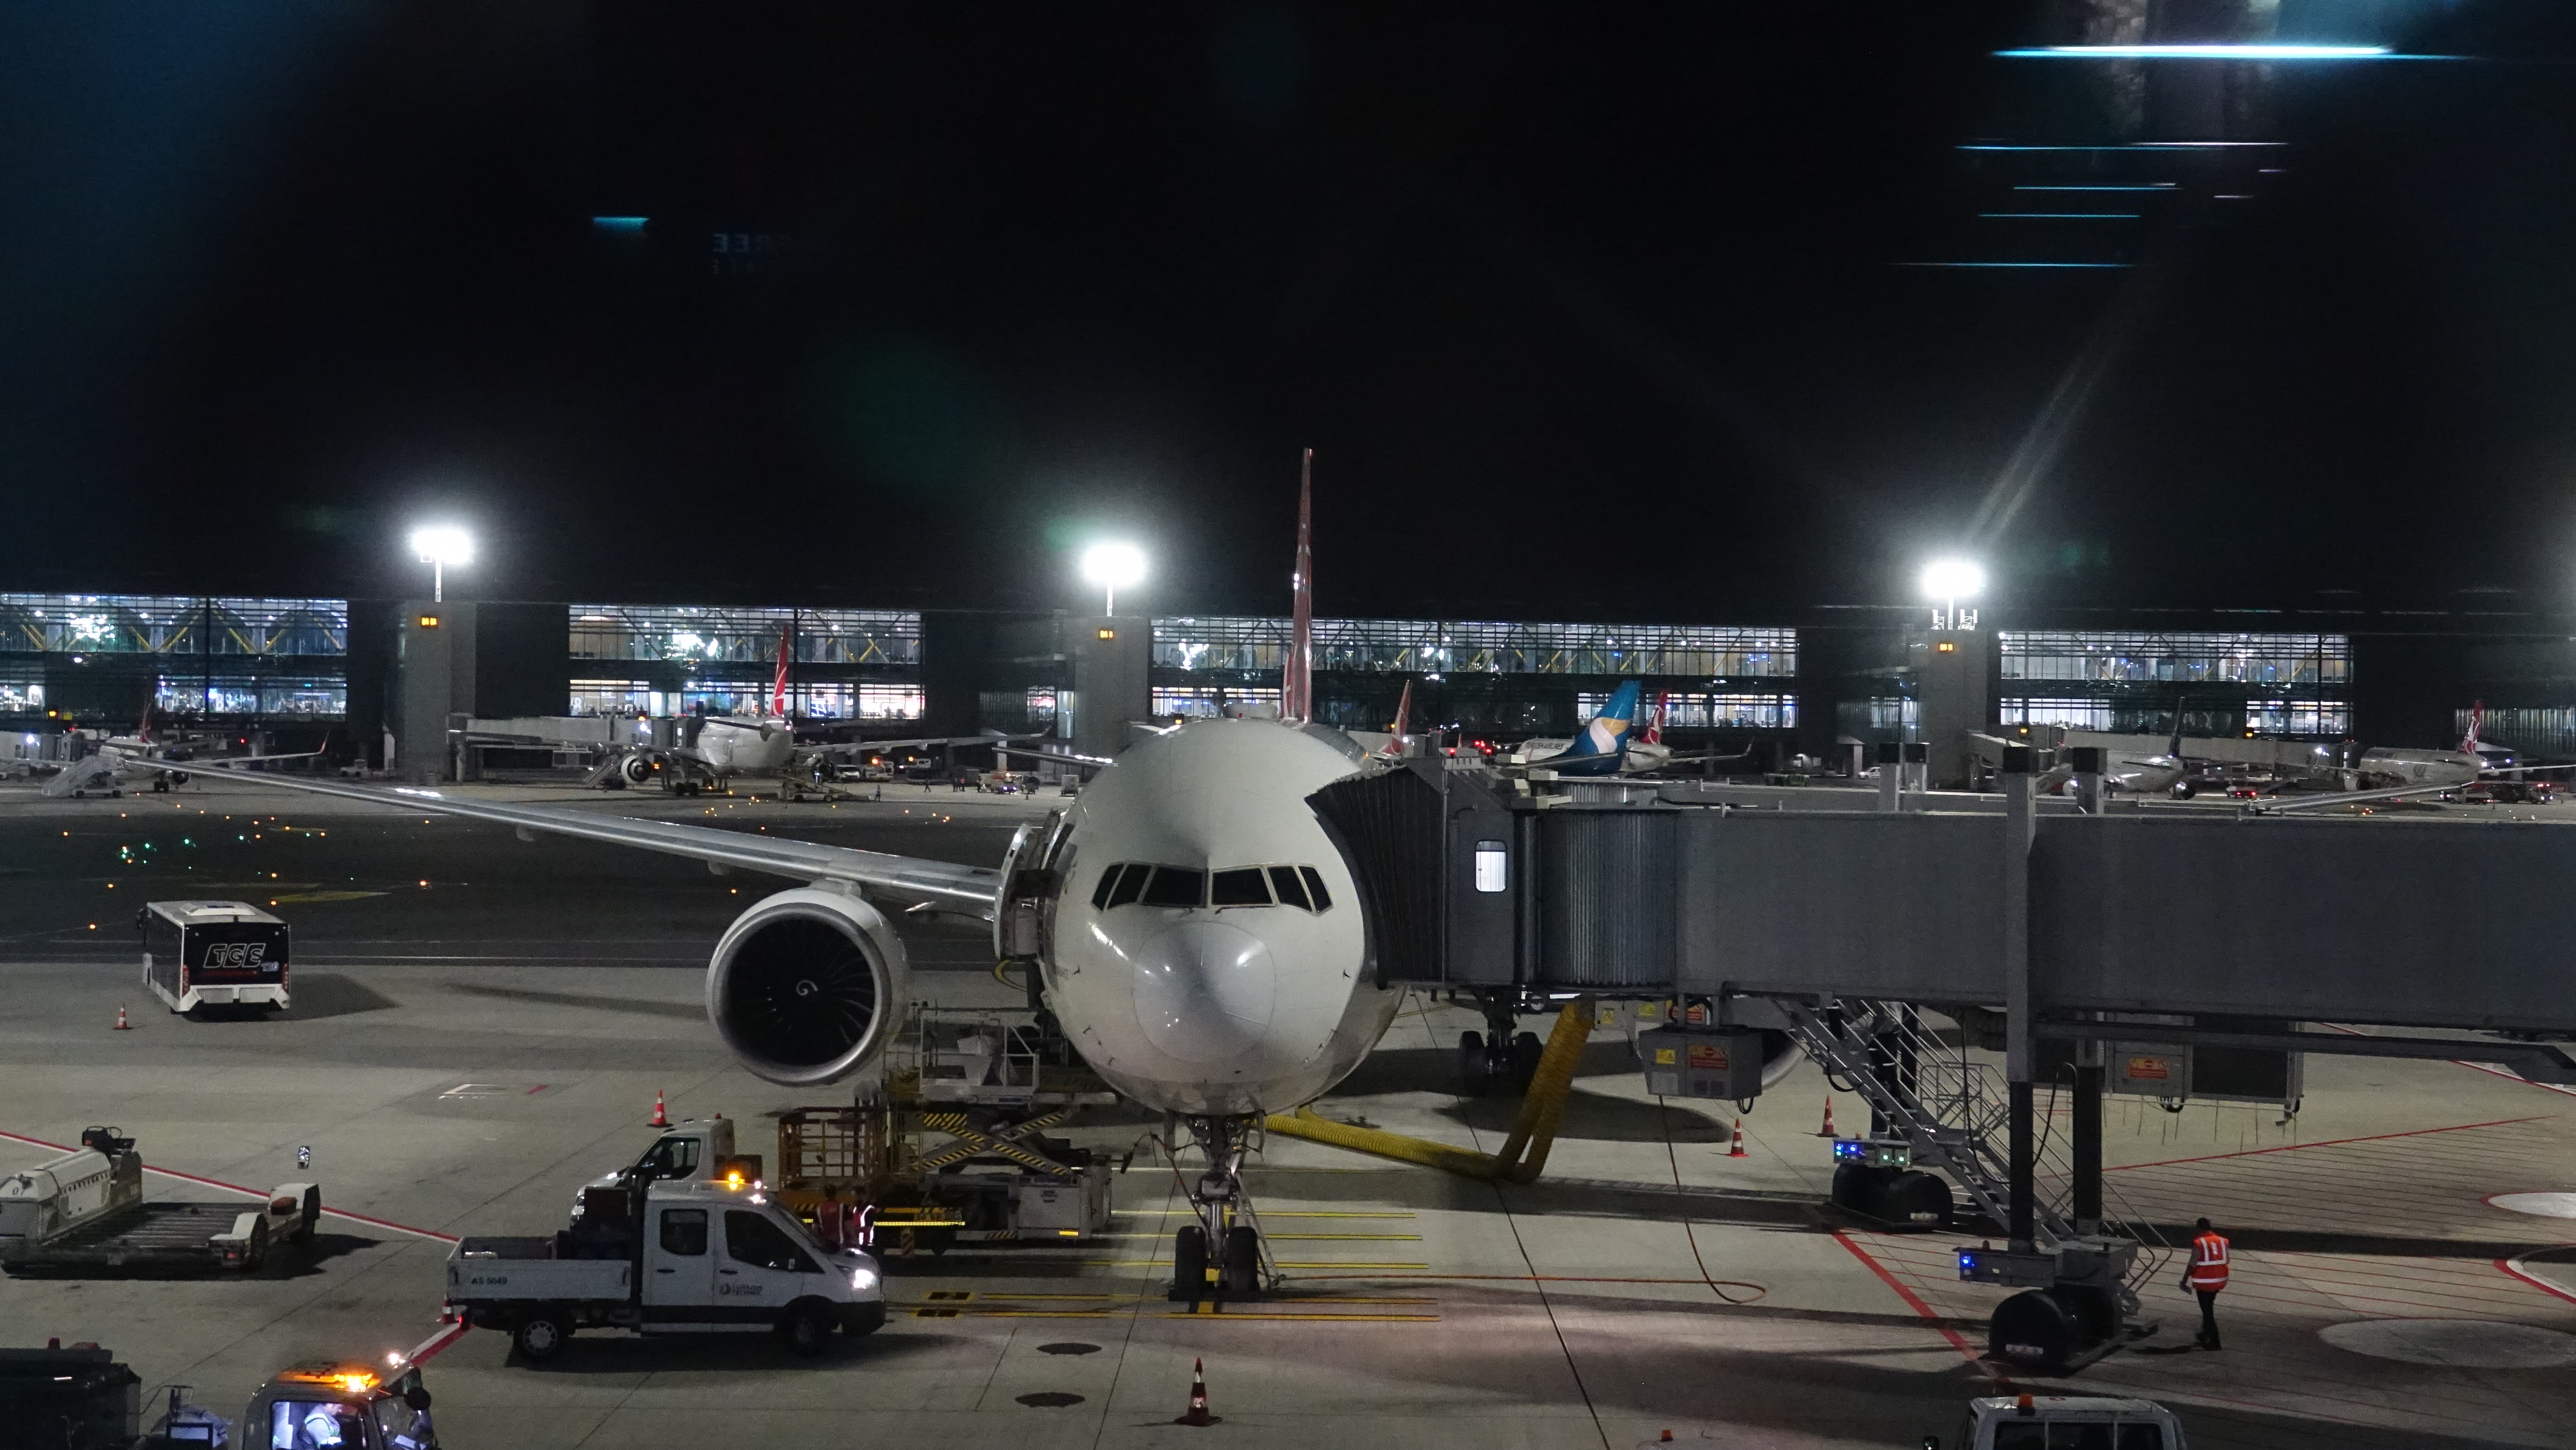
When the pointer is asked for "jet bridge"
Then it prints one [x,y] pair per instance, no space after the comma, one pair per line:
[2394,920]
[2069,929]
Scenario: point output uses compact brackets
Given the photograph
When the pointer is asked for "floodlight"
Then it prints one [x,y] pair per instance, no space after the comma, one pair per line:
[1113,566]
[438,546]
[1953,579]
[1946,582]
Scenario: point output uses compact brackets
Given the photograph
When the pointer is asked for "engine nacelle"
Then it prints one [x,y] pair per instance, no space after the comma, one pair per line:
[805,987]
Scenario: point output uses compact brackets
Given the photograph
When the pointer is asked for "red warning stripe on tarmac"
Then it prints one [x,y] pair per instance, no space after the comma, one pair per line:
[436,1342]
[327,1210]
[2336,1142]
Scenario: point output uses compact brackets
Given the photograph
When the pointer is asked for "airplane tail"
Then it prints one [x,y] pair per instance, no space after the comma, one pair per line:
[1608,732]
[1403,717]
[2477,722]
[2173,747]
[1653,734]
[1297,672]
[778,685]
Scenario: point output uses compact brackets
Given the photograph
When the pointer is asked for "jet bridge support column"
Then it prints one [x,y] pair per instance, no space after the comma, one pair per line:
[2086,1139]
[2020,828]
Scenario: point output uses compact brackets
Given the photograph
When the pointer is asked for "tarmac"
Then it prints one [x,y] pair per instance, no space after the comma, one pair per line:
[481,1024]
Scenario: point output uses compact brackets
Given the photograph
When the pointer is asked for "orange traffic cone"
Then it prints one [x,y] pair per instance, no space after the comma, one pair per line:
[1198,1414]
[1827,1131]
[121,1024]
[1736,1149]
[662,1119]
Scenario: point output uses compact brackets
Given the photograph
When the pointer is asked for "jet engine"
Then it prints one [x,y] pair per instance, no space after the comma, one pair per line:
[805,987]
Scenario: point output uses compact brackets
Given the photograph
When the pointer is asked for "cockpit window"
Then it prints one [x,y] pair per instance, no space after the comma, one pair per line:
[1130,879]
[1242,886]
[1175,886]
[1144,884]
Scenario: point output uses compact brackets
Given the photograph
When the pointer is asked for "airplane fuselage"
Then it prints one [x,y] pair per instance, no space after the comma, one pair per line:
[1208,952]
[737,745]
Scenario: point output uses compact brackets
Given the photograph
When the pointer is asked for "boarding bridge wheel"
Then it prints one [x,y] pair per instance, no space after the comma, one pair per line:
[1507,1060]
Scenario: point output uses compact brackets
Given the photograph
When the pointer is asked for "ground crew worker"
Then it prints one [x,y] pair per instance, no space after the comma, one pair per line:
[2206,1276]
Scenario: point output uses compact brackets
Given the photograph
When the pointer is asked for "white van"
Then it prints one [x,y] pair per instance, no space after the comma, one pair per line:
[2064,1422]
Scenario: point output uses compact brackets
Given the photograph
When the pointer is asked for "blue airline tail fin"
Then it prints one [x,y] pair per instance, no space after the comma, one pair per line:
[1608,733]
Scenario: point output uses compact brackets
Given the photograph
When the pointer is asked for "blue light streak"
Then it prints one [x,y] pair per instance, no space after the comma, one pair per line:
[2030,266]
[2072,216]
[619,223]
[2151,186]
[2253,50]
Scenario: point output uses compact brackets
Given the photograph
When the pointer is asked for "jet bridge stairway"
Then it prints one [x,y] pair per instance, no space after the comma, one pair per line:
[1933,1106]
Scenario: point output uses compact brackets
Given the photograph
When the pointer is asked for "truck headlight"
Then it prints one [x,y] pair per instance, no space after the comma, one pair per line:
[862,1280]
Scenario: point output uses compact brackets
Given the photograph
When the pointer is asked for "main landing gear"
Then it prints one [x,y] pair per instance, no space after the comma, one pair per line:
[1219,1257]
[1502,1057]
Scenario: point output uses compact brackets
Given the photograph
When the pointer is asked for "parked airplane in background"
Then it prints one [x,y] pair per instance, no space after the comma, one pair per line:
[1600,750]
[1198,935]
[122,760]
[716,750]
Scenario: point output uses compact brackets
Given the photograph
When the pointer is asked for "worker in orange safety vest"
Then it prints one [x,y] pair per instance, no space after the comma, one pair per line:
[2206,1276]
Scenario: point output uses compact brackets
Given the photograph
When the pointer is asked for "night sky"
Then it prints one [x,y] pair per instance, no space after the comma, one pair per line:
[1588,311]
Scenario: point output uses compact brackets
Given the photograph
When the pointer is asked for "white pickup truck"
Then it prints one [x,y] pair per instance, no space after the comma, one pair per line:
[2064,1422]
[709,1256]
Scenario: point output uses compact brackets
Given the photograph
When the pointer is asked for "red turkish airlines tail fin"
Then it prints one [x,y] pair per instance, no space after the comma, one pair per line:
[2477,722]
[1403,719]
[1655,722]
[1297,674]
[778,685]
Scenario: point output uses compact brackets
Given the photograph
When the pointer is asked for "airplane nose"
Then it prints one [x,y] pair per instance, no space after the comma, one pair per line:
[1205,991]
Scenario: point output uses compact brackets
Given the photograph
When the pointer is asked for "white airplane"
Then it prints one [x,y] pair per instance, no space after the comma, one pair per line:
[123,759]
[1198,935]
[719,749]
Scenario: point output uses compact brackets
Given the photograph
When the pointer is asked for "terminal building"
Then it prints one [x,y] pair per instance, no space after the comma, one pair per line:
[374,672]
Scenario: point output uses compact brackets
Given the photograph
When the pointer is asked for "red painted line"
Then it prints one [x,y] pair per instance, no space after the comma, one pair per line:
[436,1342]
[2514,1267]
[2332,1142]
[1915,1302]
[250,1192]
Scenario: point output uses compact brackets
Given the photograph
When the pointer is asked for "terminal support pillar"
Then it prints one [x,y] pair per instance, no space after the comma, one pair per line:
[2020,829]
[2086,1139]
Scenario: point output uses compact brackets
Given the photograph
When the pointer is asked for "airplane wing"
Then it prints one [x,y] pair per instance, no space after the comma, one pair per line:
[2278,805]
[1060,757]
[878,747]
[912,876]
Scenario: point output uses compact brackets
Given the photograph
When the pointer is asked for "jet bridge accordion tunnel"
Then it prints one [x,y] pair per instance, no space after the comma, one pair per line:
[2167,915]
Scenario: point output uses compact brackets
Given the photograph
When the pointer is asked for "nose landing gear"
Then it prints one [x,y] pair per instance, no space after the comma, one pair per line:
[1219,1257]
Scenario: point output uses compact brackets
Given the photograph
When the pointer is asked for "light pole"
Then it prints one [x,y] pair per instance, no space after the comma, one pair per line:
[1948,581]
[438,546]
[1113,566]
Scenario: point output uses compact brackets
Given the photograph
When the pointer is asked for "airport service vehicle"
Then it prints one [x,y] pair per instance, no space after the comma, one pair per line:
[213,953]
[689,1151]
[2073,1422]
[86,1210]
[711,1256]
[330,1404]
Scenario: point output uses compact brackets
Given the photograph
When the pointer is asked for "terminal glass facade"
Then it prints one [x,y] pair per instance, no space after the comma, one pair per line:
[1425,646]
[849,665]
[2134,682]
[1482,677]
[101,657]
